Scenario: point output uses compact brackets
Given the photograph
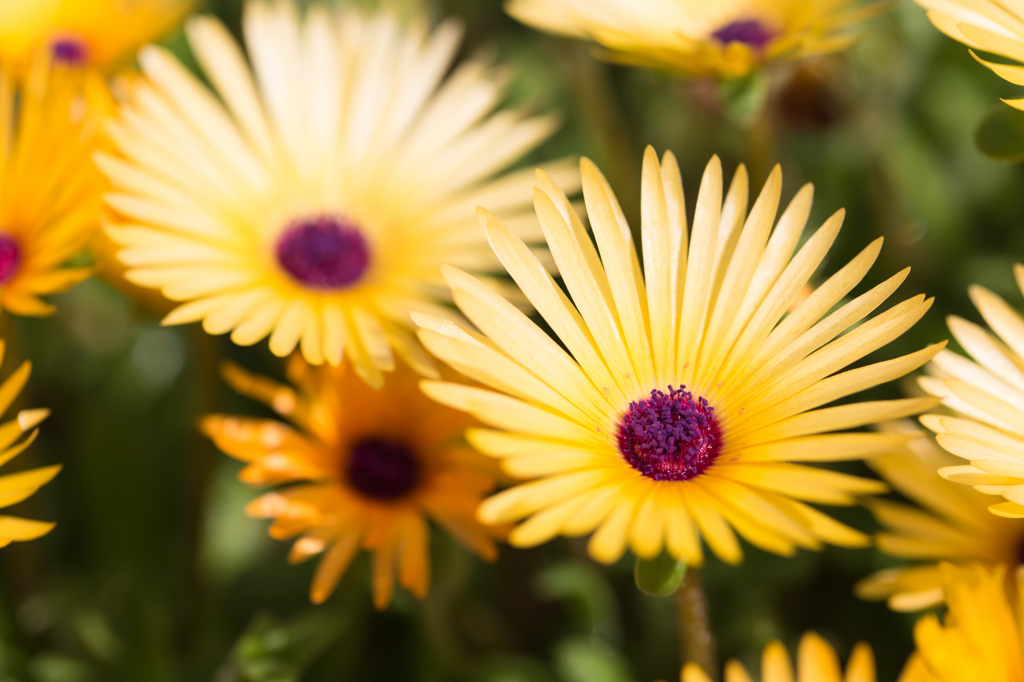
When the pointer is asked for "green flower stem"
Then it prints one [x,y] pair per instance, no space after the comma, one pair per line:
[694,624]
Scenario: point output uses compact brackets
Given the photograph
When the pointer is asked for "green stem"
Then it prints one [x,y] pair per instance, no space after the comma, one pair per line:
[694,624]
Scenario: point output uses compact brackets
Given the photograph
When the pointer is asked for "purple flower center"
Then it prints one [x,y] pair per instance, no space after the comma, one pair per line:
[749,31]
[383,469]
[670,437]
[69,50]
[10,257]
[323,252]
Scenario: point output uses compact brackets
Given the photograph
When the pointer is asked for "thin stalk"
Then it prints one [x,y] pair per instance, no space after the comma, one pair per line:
[694,624]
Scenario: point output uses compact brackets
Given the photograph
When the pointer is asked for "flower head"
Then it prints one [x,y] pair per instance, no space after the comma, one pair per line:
[313,200]
[728,38]
[816,662]
[100,34]
[50,192]
[988,26]
[687,395]
[367,468]
[15,488]
[987,398]
[980,640]
[953,525]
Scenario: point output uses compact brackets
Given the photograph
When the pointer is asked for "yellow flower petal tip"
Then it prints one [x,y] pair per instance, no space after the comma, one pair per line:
[985,393]
[358,469]
[717,332]
[685,36]
[280,217]
[985,25]
[816,661]
[20,486]
[980,639]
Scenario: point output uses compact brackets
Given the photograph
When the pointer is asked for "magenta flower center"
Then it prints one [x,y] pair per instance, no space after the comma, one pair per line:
[323,252]
[383,469]
[749,31]
[670,437]
[10,257]
[69,50]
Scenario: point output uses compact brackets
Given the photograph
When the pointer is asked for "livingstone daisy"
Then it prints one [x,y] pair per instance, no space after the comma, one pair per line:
[987,397]
[100,34]
[315,203]
[728,38]
[988,26]
[980,640]
[686,394]
[368,468]
[816,661]
[15,488]
[51,194]
[953,524]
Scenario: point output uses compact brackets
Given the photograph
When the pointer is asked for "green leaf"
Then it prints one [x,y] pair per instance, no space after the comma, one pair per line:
[743,99]
[1001,135]
[274,651]
[659,577]
[580,659]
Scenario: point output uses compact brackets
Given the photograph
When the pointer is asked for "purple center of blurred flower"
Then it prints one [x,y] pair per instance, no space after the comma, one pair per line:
[323,252]
[10,257]
[670,437]
[383,469]
[749,31]
[69,50]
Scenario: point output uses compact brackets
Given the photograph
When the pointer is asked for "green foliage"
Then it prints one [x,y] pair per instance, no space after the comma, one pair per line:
[1001,134]
[659,577]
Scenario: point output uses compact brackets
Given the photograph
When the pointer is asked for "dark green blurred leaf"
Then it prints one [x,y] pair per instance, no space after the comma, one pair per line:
[274,651]
[582,585]
[581,659]
[743,99]
[659,577]
[1001,134]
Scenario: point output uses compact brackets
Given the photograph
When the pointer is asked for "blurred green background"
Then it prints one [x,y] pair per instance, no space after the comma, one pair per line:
[154,573]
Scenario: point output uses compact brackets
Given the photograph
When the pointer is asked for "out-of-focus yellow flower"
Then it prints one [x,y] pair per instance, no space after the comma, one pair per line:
[985,25]
[725,38]
[987,396]
[816,661]
[954,525]
[17,487]
[980,640]
[370,468]
[314,203]
[100,34]
[685,401]
[51,193]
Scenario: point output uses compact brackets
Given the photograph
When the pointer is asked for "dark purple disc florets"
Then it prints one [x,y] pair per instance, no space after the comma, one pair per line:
[670,437]
[323,252]
[69,50]
[10,257]
[383,469]
[749,31]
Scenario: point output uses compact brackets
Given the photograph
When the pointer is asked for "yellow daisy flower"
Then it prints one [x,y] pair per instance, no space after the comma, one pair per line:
[315,203]
[727,38]
[985,25]
[15,488]
[50,191]
[816,661]
[687,393]
[988,399]
[981,638]
[954,525]
[369,468]
[97,33]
